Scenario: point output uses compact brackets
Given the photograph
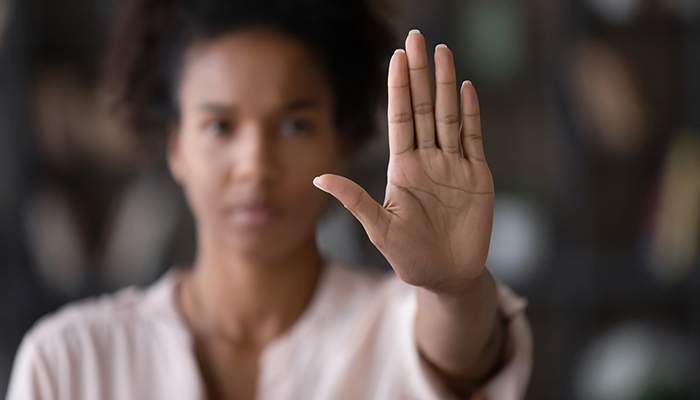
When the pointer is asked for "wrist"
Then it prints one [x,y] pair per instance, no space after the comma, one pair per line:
[456,288]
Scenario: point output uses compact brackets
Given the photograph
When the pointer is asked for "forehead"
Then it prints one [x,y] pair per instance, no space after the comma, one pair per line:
[253,67]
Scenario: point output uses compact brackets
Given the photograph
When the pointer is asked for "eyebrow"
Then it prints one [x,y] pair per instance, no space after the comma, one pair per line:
[216,107]
[289,107]
[302,104]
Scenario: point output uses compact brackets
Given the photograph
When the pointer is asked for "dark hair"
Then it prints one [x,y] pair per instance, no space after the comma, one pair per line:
[150,38]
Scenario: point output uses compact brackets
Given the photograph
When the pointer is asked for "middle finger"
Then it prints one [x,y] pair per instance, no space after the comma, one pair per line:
[421,98]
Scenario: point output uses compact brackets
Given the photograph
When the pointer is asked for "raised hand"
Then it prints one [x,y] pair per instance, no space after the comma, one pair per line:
[435,225]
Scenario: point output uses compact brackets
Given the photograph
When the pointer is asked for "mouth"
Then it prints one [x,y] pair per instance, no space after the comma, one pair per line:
[253,215]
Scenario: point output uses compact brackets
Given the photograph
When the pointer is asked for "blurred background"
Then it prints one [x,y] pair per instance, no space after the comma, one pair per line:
[591,119]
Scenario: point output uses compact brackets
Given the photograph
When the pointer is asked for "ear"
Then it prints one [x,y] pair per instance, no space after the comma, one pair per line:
[173,153]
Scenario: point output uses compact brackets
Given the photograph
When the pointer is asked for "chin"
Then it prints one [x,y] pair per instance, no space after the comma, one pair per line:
[266,245]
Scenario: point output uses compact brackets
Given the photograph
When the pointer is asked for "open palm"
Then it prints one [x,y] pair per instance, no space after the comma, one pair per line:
[435,225]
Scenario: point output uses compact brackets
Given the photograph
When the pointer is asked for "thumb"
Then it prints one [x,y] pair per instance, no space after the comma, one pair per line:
[370,214]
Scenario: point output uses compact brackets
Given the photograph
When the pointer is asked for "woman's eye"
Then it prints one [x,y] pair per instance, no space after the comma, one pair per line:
[218,127]
[295,126]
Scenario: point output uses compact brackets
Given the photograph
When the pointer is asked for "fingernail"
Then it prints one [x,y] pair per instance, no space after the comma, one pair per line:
[413,31]
[319,186]
[440,46]
[399,51]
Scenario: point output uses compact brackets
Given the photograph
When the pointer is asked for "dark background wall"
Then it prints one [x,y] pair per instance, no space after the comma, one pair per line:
[591,119]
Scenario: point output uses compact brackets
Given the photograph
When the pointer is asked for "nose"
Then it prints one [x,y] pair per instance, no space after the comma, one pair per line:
[254,155]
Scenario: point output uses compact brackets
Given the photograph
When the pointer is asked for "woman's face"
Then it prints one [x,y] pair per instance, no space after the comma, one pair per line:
[256,126]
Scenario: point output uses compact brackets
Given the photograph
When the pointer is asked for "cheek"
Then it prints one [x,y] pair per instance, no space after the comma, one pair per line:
[300,167]
[202,177]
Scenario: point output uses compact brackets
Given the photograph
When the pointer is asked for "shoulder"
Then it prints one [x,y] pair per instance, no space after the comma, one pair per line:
[111,309]
[112,346]
[105,318]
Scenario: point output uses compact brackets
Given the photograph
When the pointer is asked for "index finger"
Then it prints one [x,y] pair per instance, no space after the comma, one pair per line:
[399,109]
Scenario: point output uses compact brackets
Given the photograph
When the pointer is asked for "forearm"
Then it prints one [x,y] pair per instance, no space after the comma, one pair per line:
[461,334]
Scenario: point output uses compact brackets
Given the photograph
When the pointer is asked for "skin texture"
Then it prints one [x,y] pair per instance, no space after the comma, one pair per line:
[435,224]
[256,127]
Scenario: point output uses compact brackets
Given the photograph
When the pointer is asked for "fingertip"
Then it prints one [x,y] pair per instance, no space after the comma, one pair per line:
[442,52]
[468,89]
[398,54]
[443,57]
[414,36]
[398,69]
[317,182]
[470,101]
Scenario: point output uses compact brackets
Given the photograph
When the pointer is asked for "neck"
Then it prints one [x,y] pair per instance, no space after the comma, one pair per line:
[246,301]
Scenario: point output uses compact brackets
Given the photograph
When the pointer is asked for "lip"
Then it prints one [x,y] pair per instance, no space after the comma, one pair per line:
[253,215]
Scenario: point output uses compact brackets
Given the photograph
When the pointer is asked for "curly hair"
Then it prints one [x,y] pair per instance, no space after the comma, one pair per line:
[150,38]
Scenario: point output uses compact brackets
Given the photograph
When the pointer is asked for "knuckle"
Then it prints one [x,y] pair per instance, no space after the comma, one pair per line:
[423,108]
[399,118]
[448,120]
[451,148]
[474,136]
[426,143]
[360,197]
[398,84]
[418,68]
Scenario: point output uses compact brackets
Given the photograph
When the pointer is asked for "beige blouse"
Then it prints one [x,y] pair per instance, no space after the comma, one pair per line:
[354,341]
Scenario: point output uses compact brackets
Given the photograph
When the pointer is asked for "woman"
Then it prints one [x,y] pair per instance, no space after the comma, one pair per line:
[258,101]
